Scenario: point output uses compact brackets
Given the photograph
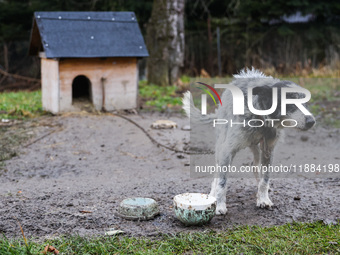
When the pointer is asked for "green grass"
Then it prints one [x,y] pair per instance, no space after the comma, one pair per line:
[16,105]
[296,238]
[159,98]
[20,105]
[325,101]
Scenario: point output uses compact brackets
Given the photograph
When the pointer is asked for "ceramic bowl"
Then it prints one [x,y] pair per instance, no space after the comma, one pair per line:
[194,208]
[138,208]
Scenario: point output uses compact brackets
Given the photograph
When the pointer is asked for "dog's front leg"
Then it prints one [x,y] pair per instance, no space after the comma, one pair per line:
[219,187]
[219,190]
[256,162]
[263,200]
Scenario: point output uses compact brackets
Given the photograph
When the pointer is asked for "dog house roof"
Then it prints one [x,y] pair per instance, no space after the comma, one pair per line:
[87,35]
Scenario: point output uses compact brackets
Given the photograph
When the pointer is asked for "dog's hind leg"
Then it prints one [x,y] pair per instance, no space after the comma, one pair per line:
[214,187]
[256,162]
[263,200]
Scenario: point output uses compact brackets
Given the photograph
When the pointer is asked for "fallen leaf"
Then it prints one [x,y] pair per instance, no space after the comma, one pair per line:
[50,248]
[83,211]
[26,113]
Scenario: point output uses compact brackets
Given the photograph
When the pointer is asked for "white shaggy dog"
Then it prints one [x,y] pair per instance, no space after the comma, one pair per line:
[261,140]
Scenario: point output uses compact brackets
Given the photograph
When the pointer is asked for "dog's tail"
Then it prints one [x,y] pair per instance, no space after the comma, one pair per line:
[193,113]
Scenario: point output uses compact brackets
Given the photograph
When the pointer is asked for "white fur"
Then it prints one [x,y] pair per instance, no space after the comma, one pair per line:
[263,200]
[231,140]
[253,73]
[186,100]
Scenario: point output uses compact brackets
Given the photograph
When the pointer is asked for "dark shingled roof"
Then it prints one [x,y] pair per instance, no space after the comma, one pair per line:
[87,35]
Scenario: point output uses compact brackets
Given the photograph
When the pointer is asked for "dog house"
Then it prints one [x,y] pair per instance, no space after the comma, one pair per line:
[88,55]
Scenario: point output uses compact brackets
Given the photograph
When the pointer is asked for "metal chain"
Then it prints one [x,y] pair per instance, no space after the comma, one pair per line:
[157,143]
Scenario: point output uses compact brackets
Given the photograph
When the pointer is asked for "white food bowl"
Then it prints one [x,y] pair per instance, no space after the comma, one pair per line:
[194,208]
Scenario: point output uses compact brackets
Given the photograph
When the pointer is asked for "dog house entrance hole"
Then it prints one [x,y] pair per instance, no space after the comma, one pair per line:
[81,89]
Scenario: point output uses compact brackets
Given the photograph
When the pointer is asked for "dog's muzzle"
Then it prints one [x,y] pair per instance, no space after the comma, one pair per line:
[310,122]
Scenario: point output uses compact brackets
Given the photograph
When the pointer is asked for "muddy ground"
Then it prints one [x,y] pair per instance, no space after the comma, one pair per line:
[72,180]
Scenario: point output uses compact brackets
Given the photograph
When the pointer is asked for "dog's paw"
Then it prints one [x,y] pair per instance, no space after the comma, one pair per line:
[221,209]
[264,203]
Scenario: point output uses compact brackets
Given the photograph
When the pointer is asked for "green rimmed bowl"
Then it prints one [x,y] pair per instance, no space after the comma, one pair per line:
[138,208]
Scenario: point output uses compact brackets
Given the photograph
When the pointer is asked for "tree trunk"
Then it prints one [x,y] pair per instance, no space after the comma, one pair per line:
[209,57]
[6,57]
[165,41]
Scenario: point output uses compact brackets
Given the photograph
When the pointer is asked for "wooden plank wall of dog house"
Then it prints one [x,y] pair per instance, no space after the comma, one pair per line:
[121,85]
[50,84]
[118,74]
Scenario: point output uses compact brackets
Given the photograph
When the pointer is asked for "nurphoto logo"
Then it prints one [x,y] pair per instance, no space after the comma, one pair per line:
[239,99]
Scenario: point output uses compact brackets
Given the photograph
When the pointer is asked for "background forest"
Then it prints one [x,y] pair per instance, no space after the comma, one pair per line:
[285,37]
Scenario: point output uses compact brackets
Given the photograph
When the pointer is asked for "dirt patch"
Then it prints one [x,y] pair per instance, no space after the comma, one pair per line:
[12,135]
[73,180]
